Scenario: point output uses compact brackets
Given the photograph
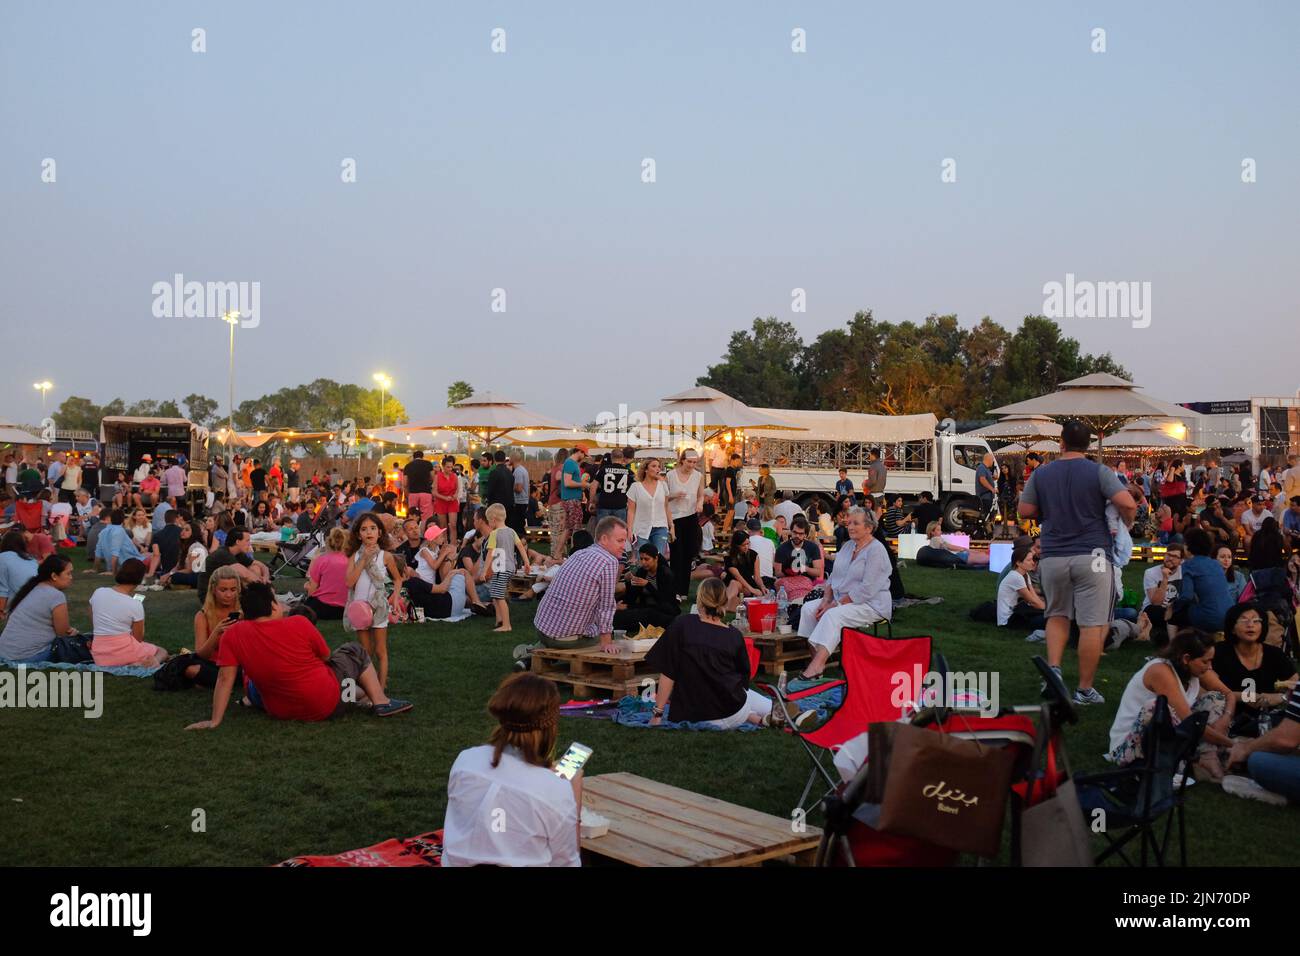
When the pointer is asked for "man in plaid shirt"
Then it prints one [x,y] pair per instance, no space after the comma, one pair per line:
[577,609]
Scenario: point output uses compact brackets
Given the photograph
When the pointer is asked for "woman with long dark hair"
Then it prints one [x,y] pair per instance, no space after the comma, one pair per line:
[38,613]
[1184,675]
[17,565]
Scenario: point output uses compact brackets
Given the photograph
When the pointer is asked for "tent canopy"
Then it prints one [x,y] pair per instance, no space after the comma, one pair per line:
[702,412]
[850,426]
[488,414]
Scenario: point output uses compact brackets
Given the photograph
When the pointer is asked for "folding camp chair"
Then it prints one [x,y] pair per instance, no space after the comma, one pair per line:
[1134,798]
[870,664]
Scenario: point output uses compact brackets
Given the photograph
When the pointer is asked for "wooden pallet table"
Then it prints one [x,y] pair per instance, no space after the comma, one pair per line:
[520,585]
[776,652]
[654,824]
[590,670]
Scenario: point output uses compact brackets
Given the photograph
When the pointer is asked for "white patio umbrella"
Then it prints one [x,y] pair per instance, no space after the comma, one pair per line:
[488,415]
[1019,448]
[11,434]
[703,413]
[1019,428]
[1146,435]
[1102,401]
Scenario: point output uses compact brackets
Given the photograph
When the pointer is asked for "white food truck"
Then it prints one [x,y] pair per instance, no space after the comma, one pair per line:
[808,462]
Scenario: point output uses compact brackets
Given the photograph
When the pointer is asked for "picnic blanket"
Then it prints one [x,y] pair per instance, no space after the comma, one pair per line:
[119,671]
[636,712]
[424,849]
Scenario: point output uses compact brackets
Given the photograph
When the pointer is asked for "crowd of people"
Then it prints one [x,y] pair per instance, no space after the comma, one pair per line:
[627,537]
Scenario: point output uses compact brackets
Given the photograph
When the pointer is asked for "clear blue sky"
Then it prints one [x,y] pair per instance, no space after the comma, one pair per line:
[522,170]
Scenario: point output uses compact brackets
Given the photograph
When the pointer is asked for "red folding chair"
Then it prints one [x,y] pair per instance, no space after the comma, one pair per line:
[871,664]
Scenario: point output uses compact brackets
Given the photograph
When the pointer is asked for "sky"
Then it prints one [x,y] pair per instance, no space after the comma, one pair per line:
[523,171]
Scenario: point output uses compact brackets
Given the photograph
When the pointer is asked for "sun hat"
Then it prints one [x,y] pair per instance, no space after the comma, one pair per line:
[433,531]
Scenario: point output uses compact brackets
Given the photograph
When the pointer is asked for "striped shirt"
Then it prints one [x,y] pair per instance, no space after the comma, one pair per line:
[580,601]
[1293,704]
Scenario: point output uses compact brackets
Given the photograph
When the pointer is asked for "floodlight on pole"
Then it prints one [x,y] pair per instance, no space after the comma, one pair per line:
[385,383]
[43,387]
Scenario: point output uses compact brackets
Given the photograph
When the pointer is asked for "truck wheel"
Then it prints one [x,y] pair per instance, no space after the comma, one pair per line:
[952,514]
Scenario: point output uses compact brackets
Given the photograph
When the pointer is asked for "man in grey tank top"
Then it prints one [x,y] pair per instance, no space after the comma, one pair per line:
[1069,498]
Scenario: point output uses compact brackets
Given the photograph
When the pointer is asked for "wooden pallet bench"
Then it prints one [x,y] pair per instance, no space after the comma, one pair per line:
[591,672]
[654,824]
[777,652]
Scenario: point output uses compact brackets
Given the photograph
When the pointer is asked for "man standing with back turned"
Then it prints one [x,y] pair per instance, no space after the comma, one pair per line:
[1069,498]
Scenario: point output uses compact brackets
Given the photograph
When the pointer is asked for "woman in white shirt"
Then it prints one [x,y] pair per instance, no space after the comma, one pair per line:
[118,622]
[685,499]
[1019,604]
[647,507]
[505,804]
[1184,675]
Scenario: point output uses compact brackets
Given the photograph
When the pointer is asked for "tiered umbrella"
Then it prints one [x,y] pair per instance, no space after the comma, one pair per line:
[1146,435]
[1102,401]
[488,415]
[1020,428]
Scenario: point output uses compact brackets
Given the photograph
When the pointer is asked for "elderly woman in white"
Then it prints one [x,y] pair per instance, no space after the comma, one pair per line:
[856,595]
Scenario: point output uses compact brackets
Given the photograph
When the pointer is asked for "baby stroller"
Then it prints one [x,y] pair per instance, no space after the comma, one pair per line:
[849,837]
[294,555]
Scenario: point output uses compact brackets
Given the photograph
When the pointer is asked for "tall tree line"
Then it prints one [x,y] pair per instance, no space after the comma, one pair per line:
[901,369]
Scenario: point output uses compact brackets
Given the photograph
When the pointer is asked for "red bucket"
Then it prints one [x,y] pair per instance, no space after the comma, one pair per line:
[762,616]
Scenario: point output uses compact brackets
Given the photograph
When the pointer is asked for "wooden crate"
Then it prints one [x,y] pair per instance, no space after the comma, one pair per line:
[593,673]
[654,824]
[521,585]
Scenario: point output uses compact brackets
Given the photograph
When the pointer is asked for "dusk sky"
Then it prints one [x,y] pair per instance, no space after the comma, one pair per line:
[522,171]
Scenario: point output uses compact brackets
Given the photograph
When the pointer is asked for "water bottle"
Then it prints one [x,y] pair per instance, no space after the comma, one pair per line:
[781,682]
[1265,722]
[782,606]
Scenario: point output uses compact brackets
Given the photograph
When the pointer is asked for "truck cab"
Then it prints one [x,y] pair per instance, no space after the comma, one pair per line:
[959,456]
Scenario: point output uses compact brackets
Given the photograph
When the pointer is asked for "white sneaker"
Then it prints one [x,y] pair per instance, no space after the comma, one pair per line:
[1036,637]
[1248,789]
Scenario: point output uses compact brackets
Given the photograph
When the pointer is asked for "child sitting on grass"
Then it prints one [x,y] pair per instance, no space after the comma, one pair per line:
[499,561]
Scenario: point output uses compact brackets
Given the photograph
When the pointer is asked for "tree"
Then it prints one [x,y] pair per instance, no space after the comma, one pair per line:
[458,391]
[200,409]
[759,365]
[78,414]
[840,371]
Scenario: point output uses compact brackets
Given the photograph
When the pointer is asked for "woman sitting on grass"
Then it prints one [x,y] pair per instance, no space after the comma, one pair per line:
[741,570]
[1236,580]
[38,614]
[1183,674]
[510,780]
[1251,668]
[943,552]
[704,667]
[219,612]
[327,578]
[1019,604]
[118,622]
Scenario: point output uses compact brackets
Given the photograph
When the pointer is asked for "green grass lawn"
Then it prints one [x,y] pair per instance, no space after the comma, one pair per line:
[121,790]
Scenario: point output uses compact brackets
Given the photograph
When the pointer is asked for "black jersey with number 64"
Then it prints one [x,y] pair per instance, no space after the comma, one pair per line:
[612,483]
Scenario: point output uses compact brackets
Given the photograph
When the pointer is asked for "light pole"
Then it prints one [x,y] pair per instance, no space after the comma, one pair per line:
[43,387]
[385,383]
[231,319]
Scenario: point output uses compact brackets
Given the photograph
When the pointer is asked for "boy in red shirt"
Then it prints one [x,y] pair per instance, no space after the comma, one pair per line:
[289,668]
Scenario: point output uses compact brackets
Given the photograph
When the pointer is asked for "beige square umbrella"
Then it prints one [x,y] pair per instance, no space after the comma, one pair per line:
[1020,428]
[703,413]
[488,415]
[1146,435]
[1102,401]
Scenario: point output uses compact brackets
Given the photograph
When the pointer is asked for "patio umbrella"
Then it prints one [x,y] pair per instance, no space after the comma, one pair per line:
[1019,428]
[1102,401]
[703,413]
[1042,446]
[11,434]
[571,438]
[488,415]
[1147,435]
